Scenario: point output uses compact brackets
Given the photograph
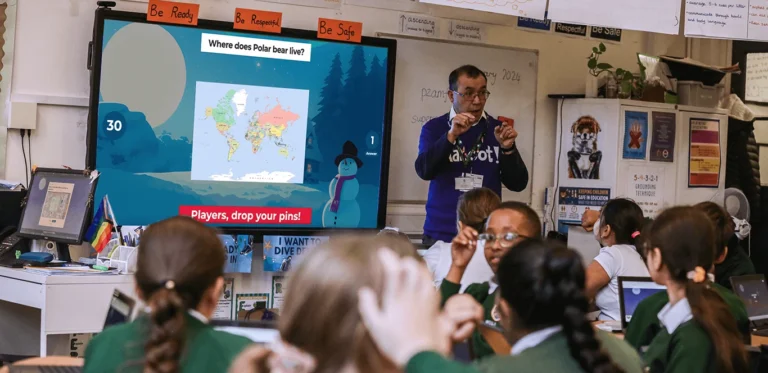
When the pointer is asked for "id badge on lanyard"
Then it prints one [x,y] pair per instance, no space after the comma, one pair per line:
[469,180]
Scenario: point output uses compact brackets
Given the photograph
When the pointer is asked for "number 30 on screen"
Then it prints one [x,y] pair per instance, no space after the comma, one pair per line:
[113,125]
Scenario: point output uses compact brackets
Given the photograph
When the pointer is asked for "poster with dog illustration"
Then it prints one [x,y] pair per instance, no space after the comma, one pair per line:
[635,135]
[588,152]
[585,156]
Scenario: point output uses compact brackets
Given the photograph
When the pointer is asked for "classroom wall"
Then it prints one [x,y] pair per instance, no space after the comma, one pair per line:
[49,62]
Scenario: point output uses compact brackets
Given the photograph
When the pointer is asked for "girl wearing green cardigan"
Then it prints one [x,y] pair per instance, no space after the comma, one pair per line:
[542,307]
[699,333]
[179,276]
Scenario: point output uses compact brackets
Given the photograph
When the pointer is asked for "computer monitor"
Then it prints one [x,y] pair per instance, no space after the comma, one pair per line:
[58,206]
[260,332]
[632,291]
[753,291]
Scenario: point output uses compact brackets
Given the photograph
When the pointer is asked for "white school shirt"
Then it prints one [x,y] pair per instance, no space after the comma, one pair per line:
[617,260]
[534,339]
[673,316]
[438,259]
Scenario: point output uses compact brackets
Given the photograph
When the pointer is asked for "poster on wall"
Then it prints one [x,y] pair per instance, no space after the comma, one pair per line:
[251,306]
[239,250]
[573,202]
[645,186]
[664,133]
[404,5]
[704,153]
[278,291]
[223,309]
[281,253]
[588,146]
[635,134]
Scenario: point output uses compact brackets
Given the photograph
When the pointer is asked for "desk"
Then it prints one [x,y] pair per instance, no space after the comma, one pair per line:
[34,307]
[757,341]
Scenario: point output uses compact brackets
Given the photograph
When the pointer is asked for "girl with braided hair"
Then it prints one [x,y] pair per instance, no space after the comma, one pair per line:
[180,268]
[542,306]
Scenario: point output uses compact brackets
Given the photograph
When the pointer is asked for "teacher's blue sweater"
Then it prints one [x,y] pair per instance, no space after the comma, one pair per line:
[440,163]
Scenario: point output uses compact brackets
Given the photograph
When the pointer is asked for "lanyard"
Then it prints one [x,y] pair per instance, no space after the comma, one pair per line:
[466,156]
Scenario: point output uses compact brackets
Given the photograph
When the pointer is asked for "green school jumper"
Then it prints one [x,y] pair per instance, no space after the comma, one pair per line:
[688,349]
[480,347]
[551,355]
[120,348]
[736,263]
[645,322]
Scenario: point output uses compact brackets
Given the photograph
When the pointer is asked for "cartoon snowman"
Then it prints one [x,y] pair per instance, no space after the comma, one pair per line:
[342,210]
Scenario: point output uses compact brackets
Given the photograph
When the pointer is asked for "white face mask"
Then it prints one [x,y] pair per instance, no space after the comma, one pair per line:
[596,230]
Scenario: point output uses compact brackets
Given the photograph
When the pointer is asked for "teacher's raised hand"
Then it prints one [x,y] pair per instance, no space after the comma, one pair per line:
[505,135]
[461,123]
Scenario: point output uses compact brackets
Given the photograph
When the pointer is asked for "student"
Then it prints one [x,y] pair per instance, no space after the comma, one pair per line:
[320,326]
[698,333]
[473,210]
[729,262]
[645,323]
[179,276]
[543,312]
[616,230]
[508,225]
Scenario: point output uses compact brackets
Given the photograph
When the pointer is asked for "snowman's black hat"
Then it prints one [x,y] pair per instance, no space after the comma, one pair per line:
[349,150]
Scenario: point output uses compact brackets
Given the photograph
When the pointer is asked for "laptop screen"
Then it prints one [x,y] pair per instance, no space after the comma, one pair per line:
[633,292]
[754,292]
[120,309]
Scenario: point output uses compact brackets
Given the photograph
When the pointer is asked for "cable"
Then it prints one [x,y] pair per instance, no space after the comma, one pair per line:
[555,191]
[24,153]
[29,149]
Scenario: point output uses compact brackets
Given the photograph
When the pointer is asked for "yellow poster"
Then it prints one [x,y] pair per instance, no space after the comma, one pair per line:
[704,153]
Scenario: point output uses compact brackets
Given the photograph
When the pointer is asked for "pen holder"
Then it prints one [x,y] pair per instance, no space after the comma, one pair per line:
[121,257]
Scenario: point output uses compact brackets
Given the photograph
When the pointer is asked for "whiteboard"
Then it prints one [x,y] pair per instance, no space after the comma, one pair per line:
[756,88]
[662,16]
[421,86]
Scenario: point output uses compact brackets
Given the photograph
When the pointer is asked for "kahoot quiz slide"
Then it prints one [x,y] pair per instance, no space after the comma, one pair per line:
[239,129]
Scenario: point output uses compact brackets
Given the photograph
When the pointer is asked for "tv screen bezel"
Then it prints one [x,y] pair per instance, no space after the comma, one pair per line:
[94,65]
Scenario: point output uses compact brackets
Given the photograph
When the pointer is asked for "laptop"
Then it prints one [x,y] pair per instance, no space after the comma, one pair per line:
[632,291]
[260,332]
[753,290]
[120,309]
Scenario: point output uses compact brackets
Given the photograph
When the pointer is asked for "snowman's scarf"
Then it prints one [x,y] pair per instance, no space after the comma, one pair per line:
[337,195]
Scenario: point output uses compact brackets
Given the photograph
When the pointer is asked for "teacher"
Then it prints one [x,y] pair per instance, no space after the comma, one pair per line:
[465,149]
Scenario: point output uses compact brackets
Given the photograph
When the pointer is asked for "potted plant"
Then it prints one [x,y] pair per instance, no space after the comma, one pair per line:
[629,85]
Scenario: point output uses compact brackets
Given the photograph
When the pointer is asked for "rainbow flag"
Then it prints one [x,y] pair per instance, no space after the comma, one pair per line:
[100,231]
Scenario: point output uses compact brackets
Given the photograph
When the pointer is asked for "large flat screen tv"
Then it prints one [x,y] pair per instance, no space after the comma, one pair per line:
[243,131]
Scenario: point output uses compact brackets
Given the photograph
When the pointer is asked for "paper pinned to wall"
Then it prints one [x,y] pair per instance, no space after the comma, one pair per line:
[727,19]
[662,16]
[402,5]
[332,4]
[756,88]
[520,8]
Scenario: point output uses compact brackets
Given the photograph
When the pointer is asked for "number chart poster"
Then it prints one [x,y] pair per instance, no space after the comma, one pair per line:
[281,253]
[645,186]
[223,309]
[573,202]
[704,153]
[249,305]
[635,134]
[663,141]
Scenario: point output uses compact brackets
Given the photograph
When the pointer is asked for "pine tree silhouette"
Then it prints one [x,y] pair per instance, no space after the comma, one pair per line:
[329,116]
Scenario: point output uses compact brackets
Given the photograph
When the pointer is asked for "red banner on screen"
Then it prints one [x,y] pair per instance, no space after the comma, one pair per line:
[248,215]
